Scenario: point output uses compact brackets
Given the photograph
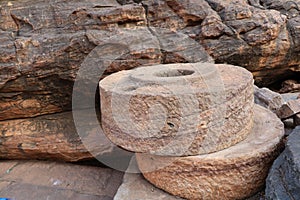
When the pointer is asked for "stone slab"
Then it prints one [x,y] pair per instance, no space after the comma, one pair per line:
[38,180]
[290,96]
[267,98]
[289,109]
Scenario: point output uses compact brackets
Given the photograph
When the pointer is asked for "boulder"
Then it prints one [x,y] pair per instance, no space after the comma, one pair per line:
[234,173]
[289,109]
[268,99]
[177,109]
[283,181]
[44,83]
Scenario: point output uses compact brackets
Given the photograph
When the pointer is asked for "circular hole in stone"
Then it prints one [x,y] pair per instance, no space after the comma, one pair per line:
[174,73]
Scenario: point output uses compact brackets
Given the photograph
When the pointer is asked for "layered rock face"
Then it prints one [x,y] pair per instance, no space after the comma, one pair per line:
[177,109]
[43,44]
[51,137]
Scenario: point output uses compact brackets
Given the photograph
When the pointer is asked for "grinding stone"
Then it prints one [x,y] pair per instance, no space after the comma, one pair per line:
[234,173]
[177,109]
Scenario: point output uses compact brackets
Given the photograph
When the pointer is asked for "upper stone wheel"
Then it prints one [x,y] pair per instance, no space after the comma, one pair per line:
[177,109]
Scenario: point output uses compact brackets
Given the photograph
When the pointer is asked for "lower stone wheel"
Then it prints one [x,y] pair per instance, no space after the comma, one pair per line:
[234,173]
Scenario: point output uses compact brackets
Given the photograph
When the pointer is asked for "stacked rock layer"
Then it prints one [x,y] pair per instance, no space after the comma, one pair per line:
[195,128]
[177,109]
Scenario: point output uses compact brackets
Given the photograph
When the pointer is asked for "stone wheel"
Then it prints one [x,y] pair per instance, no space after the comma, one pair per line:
[234,173]
[177,109]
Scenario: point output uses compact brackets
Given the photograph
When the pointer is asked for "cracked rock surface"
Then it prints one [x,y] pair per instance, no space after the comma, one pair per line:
[43,44]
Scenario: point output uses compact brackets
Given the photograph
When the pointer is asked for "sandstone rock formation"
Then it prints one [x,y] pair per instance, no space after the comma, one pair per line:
[43,44]
[234,173]
[283,181]
[177,109]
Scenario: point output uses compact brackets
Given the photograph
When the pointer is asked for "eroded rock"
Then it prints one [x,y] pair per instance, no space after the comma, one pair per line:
[283,181]
[52,137]
[268,99]
[289,109]
[43,44]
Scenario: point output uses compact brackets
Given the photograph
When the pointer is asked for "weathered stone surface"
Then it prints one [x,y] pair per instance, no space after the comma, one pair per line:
[283,181]
[234,173]
[297,120]
[268,99]
[177,109]
[236,32]
[134,186]
[290,96]
[289,109]
[42,44]
[38,76]
[45,84]
[49,180]
[50,137]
